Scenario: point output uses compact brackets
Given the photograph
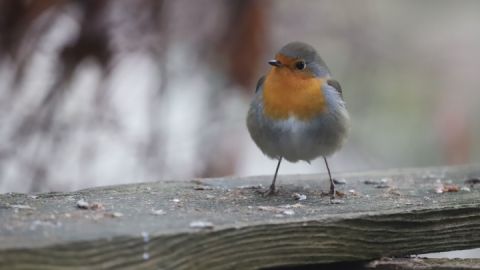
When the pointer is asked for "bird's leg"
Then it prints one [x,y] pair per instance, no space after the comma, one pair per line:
[332,185]
[272,190]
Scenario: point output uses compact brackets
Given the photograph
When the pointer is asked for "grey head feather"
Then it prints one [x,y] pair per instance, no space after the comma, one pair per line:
[306,52]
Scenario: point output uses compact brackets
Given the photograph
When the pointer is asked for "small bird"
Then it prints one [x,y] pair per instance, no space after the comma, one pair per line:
[298,111]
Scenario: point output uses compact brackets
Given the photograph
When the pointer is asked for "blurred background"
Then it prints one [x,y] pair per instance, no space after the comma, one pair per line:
[99,92]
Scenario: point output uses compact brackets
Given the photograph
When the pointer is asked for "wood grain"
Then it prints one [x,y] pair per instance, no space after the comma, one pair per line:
[401,215]
[424,264]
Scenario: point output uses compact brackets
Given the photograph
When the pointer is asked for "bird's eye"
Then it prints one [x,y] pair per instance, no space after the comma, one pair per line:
[300,65]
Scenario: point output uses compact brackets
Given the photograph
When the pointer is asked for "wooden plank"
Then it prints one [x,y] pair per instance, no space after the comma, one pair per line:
[226,224]
[424,264]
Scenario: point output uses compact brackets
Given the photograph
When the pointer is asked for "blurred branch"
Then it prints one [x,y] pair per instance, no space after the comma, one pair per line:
[17,18]
[239,51]
[103,32]
[242,42]
[92,42]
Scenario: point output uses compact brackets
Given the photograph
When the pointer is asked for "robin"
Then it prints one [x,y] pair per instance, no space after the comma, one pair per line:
[298,112]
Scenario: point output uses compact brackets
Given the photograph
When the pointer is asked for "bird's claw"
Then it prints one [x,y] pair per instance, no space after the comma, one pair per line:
[269,192]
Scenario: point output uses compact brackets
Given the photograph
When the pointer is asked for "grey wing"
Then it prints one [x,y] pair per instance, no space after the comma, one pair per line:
[335,84]
[259,83]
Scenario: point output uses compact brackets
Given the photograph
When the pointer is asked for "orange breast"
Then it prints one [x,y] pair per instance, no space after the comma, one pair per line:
[288,93]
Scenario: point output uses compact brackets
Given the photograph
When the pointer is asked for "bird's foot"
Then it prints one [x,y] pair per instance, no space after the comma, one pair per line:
[332,198]
[269,192]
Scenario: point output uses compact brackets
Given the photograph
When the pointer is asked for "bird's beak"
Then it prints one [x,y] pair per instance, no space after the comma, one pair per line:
[275,63]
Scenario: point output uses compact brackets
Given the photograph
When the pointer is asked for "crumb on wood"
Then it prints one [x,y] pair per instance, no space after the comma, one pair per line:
[339,181]
[96,206]
[200,224]
[339,193]
[158,212]
[299,197]
[82,204]
[450,188]
[353,192]
[438,186]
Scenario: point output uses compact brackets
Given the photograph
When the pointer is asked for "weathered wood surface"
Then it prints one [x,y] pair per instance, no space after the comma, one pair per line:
[159,225]
[424,264]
